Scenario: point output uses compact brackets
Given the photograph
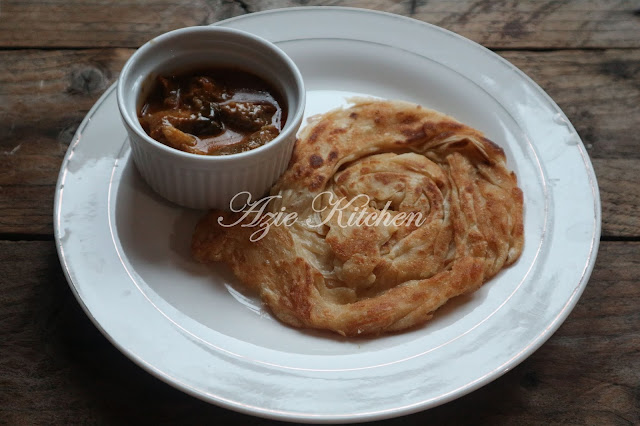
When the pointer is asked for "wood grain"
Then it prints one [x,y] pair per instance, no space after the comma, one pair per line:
[599,91]
[619,181]
[45,94]
[537,24]
[58,56]
[495,24]
[80,23]
[512,24]
[58,369]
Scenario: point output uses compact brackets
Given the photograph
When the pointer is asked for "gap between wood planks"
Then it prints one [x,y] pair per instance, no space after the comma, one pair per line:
[10,236]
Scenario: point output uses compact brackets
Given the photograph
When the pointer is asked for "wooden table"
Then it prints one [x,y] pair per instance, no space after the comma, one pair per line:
[58,56]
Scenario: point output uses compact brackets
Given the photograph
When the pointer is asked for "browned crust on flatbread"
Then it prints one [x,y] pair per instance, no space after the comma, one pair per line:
[366,280]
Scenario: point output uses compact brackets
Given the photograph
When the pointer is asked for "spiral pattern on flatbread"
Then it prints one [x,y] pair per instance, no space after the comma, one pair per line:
[330,271]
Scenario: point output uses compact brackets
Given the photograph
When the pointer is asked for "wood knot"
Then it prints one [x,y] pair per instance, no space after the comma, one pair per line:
[619,69]
[87,81]
[65,135]
[513,29]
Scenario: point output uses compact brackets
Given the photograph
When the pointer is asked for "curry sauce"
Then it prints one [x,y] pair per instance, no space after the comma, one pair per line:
[216,111]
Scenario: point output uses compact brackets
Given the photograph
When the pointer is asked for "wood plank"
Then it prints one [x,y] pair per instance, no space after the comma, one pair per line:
[599,91]
[79,23]
[27,209]
[56,368]
[44,95]
[505,24]
[512,24]
[537,24]
[619,181]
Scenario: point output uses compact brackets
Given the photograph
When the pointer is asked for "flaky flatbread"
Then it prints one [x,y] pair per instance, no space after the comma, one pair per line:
[367,278]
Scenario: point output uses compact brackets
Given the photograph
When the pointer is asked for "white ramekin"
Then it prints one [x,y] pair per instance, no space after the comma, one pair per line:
[204,181]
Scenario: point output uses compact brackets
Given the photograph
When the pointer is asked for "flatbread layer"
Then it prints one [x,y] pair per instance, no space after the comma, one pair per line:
[398,208]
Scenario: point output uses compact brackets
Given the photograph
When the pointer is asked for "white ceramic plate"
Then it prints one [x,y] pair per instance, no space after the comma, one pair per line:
[125,251]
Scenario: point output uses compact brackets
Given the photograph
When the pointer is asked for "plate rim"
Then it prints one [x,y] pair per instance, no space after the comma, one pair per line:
[532,347]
